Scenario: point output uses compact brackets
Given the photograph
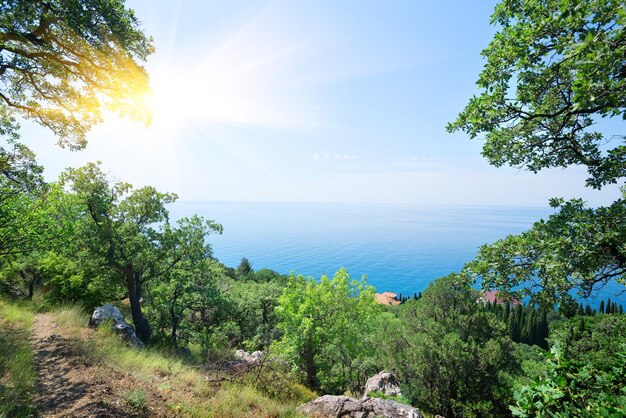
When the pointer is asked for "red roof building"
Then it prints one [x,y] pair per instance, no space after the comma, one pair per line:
[387,298]
[491,296]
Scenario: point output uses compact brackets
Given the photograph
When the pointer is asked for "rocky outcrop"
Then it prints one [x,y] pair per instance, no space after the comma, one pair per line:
[109,313]
[249,358]
[383,382]
[330,406]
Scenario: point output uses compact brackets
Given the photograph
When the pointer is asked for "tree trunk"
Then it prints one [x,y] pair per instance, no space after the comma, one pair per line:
[31,287]
[31,284]
[142,327]
[174,319]
[309,364]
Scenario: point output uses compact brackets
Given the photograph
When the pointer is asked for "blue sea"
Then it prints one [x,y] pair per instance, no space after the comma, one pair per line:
[399,248]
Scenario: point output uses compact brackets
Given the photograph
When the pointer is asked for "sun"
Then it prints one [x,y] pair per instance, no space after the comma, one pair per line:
[205,93]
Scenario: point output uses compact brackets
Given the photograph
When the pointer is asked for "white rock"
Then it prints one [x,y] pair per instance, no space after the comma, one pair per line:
[383,382]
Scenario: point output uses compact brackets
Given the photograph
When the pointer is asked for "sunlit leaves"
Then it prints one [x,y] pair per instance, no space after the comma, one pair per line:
[64,62]
[327,328]
[552,70]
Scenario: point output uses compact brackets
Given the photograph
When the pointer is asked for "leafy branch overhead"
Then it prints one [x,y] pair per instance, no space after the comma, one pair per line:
[63,62]
[553,70]
[578,248]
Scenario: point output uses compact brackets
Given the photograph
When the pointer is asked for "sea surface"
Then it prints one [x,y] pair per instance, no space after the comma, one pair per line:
[399,248]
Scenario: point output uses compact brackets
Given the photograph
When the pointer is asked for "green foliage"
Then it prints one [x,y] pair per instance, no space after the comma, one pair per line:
[75,281]
[329,330]
[253,306]
[552,69]
[64,62]
[137,399]
[126,231]
[572,388]
[244,268]
[187,283]
[17,373]
[595,341]
[397,398]
[454,358]
[583,375]
[578,248]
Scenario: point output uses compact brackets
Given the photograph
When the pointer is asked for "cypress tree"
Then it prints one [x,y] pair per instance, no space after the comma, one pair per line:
[511,327]
[601,308]
[581,310]
[530,326]
[543,330]
[620,310]
[608,306]
[588,310]
[581,328]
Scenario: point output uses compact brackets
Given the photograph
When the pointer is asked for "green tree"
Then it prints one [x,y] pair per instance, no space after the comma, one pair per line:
[188,278]
[190,286]
[568,387]
[454,357]
[127,230]
[254,309]
[63,62]
[553,69]
[328,329]
[244,268]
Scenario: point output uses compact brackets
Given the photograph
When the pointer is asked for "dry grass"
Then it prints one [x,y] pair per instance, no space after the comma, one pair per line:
[165,379]
[17,374]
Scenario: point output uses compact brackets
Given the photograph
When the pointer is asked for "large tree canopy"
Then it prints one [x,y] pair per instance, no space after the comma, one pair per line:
[127,230]
[63,61]
[554,68]
[579,248]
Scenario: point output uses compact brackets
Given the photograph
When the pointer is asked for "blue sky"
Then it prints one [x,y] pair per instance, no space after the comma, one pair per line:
[325,101]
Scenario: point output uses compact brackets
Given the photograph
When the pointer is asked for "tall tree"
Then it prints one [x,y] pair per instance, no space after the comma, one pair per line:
[554,69]
[128,231]
[453,355]
[63,62]
[327,328]
[187,283]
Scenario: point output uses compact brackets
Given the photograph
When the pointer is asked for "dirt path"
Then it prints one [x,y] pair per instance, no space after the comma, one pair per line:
[67,384]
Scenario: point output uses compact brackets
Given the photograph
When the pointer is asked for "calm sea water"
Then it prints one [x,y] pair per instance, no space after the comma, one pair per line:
[400,249]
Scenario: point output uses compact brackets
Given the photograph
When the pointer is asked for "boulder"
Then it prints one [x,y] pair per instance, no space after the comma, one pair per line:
[330,406]
[383,382]
[127,332]
[184,352]
[254,358]
[110,313]
[105,313]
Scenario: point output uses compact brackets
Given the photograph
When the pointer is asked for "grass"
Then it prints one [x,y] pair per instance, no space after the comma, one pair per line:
[17,373]
[397,398]
[137,399]
[181,385]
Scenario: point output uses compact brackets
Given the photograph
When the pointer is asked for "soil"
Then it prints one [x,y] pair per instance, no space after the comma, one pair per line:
[69,385]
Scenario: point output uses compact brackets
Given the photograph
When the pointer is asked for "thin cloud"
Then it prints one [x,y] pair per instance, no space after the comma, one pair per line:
[326,157]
